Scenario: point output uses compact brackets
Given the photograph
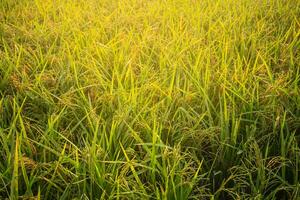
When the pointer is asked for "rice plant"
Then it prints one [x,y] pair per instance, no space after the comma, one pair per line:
[150,99]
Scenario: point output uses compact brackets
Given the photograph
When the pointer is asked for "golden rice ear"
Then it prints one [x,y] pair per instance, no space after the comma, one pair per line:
[29,163]
[16,82]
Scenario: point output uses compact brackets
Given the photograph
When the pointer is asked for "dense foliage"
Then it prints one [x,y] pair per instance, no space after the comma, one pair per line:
[149,99]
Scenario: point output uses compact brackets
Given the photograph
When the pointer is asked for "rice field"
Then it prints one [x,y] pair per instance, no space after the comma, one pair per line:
[150,99]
